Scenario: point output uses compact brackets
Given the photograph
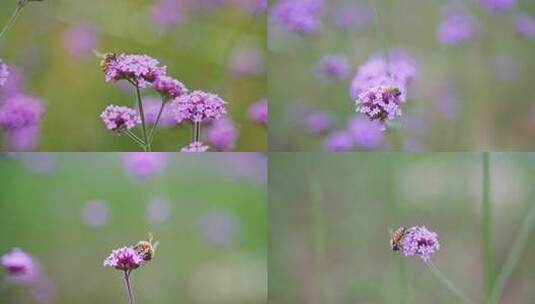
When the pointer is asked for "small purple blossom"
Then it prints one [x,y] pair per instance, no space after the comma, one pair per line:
[258,111]
[319,122]
[125,258]
[119,118]
[525,26]
[222,134]
[301,16]
[152,107]
[198,106]
[339,141]
[20,267]
[80,41]
[96,213]
[247,62]
[419,241]
[366,134]
[144,165]
[334,66]
[4,73]
[456,28]
[194,147]
[498,6]
[140,69]
[381,103]
[25,139]
[21,111]
[169,87]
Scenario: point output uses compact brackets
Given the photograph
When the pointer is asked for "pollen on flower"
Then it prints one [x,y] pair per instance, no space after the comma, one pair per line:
[125,258]
[119,119]
[420,241]
[198,106]
[196,146]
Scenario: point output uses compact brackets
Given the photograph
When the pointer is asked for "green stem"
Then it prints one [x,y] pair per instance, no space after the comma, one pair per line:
[519,245]
[136,139]
[196,132]
[318,225]
[142,114]
[13,18]
[444,280]
[155,126]
[128,285]
[487,231]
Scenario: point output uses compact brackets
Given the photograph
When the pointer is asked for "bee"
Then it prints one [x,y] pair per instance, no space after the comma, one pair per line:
[146,248]
[396,92]
[105,59]
[395,238]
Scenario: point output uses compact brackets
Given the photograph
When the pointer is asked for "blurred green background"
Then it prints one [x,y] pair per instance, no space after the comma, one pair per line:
[212,235]
[330,216]
[196,51]
[490,78]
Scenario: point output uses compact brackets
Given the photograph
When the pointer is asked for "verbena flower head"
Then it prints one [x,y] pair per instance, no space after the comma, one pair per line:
[382,102]
[366,134]
[498,6]
[21,111]
[525,26]
[456,28]
[196,146]
[258,111]
[420,241]
[198,106]
[20,267]
[4,73]
[301,16]
[120,118]
[125,258]
[141,69]
[144,165]
[318,122]
[334,66]
[222,134]
[169,87]
[152,106]
[339,141]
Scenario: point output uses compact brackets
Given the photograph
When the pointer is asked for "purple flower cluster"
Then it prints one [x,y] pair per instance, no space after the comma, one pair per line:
[20,267]
[301,16]
[125,258]
[142,70]
[419,241]
[119,118]
[382,102]
[456,28]
[169,87]
[525,26]
[4,73]
[498,6]
[366,134]
[196,146]
[334,66]
[222,134]
[258,111]
[198,106]
[20,112]
[339,141]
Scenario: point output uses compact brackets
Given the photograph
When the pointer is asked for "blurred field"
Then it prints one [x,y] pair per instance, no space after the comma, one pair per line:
[490,78]
[212,236]
[196,51]
[330,217]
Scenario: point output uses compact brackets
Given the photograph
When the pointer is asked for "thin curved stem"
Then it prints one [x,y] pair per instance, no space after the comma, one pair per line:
[488,252]
[443,279]
[135,138]
[142,114]
[153,129]
[12,19]
[196,132]
[128,285]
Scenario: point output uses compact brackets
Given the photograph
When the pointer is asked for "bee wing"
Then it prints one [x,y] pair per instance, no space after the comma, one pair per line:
[154,247]
[150,237]
[99,54]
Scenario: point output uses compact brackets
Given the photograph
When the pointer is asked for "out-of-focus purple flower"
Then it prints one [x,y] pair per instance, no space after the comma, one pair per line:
[198,106]
[222,134]
[258,111]
[4,73]
[169,87]
[220,228]
[25,139]
[525,26]
[334,66]
[251,6]
[20,267]
[196,146]
[151,107]
[319,122]
[80,40]
[96,213]
[40,163]
[144,164]
[352,17]
[366,134]
[448,104]
[14,85]
[339,141]
[120,118]
[498,6]
[21,111]
[456,27]
[247,62]
[168,13]
[507,68]
[125,258]
[301,16]
[249,166]
[400,68]
[419,241]
[158,210]
[381,103]
[141,69]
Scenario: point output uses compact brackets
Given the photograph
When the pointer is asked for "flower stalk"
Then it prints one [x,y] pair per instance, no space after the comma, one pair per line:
[128,285]
[444,280]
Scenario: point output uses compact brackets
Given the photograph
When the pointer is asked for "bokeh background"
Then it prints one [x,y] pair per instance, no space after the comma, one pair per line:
[331,215]
[473,96]
[215,46]
[70,210]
